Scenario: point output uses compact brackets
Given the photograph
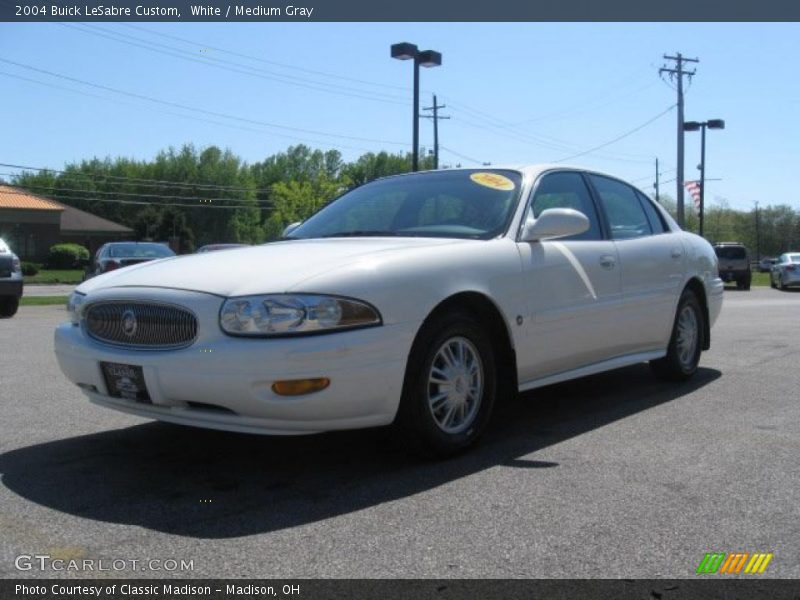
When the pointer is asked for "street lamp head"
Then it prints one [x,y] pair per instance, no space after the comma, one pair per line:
[716,124]
[429,58]
[404,51]
[691,126]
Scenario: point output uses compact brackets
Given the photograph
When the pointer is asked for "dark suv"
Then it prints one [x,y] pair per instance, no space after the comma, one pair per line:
[734,264]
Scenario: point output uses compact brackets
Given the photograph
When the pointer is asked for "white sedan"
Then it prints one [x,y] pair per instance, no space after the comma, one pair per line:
[417,300]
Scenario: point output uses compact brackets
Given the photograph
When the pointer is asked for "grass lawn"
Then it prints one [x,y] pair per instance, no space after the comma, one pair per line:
[760,278]
[43,300]
[56,276]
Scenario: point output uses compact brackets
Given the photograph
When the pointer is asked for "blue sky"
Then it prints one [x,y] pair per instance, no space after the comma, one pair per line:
[516,92]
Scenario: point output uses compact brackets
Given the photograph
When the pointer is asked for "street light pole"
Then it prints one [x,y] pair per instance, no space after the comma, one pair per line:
[425,58]
[702,174]
[694,126]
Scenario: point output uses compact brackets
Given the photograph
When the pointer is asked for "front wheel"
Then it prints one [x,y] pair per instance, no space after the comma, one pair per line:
[686,343]
[449,389]
[8,306]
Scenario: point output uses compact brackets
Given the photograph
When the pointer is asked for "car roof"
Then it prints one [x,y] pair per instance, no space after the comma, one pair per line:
[527,170]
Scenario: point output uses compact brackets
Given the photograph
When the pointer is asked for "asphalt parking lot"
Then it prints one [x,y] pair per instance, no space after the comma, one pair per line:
[616,475]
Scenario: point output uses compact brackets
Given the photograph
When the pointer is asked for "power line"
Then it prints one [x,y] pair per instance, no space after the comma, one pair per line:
[233,66]
[191,117]
[137,195]
[546,141]
[618,138]
[145,203]
[145,182]
[195,109]
[469,158]
[660,172]
[514,134]
[265,61]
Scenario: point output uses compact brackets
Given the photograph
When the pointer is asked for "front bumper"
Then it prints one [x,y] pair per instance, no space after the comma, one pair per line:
[11,286]
[224,382]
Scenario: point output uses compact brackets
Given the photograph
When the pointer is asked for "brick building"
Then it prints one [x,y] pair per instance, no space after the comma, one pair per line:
[30,224]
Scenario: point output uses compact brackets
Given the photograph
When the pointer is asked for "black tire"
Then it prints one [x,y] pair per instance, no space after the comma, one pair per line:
[683,355]
[8,306]
[417,426]
[780,282]
[747,282]
[772,282]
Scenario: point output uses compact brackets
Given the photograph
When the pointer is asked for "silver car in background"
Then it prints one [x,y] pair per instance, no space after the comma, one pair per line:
[786,271]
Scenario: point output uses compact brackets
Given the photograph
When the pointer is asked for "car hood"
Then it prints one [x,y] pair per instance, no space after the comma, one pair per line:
[271,268]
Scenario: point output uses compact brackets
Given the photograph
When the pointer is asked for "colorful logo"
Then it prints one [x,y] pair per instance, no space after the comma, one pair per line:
[493,180]
[734,563]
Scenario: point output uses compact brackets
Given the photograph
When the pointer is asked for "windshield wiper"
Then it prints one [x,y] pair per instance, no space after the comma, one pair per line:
[361,233]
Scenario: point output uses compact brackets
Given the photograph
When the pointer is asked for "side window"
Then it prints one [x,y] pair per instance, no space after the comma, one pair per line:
[626,216]
[655,220]
[567,190]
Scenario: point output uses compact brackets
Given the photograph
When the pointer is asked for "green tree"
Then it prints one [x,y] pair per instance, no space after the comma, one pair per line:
[296,201]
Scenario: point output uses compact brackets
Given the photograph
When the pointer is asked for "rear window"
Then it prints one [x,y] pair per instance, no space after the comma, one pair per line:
[731,252]
[139,251]
[795,258]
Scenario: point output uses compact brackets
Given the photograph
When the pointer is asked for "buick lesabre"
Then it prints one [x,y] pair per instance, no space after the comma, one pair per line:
[416,301]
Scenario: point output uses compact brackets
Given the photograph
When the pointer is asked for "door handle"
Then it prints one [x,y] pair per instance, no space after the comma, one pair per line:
[676,253]
[607,261]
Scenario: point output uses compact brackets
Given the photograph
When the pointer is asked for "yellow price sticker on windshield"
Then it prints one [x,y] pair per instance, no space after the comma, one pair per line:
[493,180]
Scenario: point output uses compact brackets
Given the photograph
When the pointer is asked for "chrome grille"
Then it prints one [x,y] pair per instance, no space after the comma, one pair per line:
[145,325]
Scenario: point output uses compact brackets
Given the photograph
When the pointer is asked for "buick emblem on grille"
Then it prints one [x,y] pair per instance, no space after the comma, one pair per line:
[129,323]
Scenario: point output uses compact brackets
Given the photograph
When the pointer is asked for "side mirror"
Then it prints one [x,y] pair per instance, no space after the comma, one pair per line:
[554,223]
[291,227]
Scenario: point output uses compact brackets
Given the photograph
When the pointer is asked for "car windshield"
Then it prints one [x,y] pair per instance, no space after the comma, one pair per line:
[731,252]
[475,204]
[139,251]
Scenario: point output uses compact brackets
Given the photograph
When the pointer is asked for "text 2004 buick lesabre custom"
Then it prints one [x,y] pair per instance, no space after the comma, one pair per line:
[416,300]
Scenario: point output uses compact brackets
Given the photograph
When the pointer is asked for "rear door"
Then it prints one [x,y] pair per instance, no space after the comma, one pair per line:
[652,261]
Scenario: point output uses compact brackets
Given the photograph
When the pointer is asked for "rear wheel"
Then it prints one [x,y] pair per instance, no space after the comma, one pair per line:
[772,281]
[449,389]
[686,343]
[8,306]
[781,285]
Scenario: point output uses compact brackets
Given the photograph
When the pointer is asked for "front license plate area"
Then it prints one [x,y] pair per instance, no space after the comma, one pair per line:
[126,381]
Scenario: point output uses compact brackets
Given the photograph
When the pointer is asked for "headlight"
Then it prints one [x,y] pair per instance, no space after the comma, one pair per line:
[16,266]
[290,314]
[75,306]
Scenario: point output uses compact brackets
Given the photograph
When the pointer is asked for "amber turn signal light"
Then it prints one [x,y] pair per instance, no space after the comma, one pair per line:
[298,387]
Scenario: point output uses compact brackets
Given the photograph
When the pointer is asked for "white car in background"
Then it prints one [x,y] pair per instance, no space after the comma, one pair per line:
[416,300]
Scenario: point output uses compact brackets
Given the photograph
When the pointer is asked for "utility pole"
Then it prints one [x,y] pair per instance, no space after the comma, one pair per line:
[678,73]
[758,237]
[658,200]
[435,108]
